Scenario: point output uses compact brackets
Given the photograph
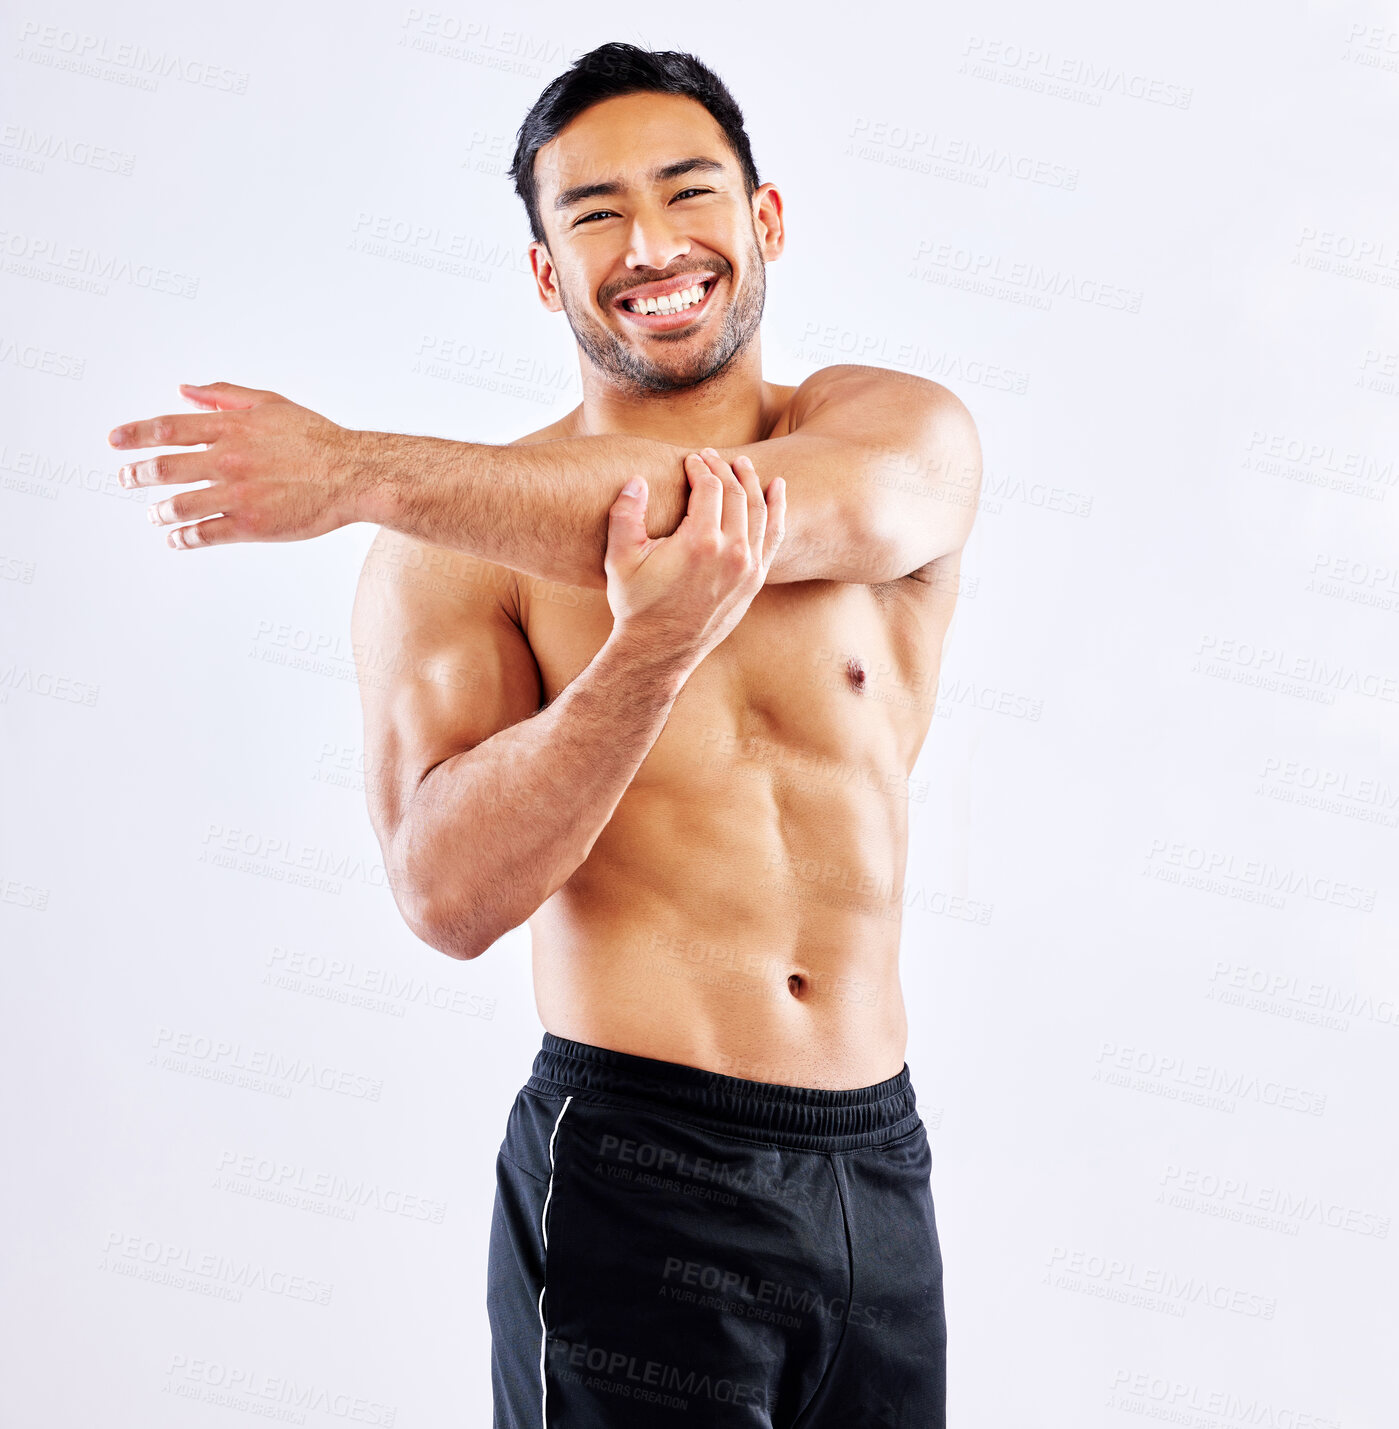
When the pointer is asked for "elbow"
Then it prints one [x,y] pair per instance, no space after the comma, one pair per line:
[456,930]
[468,923]
[451,925]
[462,952]
[463,917]
[444,916]
[459,952]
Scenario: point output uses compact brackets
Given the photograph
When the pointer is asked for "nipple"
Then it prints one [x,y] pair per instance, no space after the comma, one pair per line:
[856,671]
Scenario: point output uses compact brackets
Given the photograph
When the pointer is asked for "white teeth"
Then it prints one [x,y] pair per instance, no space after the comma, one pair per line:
[669,302]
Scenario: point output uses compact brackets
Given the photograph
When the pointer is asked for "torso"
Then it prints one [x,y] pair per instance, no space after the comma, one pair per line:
[741,910]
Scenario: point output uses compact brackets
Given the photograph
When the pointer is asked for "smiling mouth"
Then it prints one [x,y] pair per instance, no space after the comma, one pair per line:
[669,310]
[690,297]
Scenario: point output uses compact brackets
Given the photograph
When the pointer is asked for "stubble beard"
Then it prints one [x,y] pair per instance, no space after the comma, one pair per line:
[634,371]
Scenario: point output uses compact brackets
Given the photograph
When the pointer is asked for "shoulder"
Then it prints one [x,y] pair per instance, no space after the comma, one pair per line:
[567,426]
[888,408]
[850,382]
[406,584]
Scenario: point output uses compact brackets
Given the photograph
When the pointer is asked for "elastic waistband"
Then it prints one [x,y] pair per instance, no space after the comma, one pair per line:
[810,1118]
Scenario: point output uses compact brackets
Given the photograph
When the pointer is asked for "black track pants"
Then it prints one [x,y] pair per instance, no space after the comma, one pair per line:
[671,1246]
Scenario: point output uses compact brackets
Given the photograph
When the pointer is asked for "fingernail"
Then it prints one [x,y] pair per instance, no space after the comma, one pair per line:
[151,516]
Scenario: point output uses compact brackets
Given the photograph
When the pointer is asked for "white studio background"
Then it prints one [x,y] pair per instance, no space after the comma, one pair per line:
[1149,944]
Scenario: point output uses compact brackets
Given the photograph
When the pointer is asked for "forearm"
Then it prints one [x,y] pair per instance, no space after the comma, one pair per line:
[541,508]
[492,833]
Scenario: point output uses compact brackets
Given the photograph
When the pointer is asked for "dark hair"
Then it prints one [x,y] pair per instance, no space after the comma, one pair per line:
[605,73]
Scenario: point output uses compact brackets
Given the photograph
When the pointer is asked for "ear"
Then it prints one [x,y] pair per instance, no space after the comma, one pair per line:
[767,221]
[545,278]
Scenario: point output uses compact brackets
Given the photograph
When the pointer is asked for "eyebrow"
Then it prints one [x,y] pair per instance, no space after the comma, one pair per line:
[568,197]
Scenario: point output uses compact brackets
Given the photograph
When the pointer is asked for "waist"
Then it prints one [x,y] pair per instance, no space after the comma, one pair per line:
[833,1027]
[811,1118]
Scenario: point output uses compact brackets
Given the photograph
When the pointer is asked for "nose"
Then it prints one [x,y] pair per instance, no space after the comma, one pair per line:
[654,242]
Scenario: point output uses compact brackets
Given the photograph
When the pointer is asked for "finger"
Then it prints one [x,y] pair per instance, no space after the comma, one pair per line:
[735,515]
[626,523]
[188,506]
[706,494]
[183,429]
[217,531]
[757,506]
[776,519]
[168,469]
[226,396]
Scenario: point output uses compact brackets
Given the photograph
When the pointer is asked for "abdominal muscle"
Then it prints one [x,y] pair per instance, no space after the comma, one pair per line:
[754,934]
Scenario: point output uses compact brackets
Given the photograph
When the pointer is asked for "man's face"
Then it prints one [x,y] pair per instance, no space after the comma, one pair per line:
[642,203]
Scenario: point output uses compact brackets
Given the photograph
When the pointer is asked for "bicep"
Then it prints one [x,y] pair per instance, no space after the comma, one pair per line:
[442,665]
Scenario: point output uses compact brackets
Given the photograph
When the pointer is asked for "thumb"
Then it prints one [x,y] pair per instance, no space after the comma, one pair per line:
[626,520]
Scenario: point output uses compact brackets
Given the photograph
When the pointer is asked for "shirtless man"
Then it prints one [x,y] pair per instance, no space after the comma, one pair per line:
[672,729]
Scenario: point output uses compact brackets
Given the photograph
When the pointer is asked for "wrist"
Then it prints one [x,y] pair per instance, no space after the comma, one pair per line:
[365,478]
[645,655]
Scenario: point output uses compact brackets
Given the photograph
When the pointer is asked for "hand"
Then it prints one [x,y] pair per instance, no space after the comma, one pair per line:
[681,594]
[277,472]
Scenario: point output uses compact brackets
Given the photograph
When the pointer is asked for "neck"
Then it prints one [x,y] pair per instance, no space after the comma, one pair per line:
[733,408]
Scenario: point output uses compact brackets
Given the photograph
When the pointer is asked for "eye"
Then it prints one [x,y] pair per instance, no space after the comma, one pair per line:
[683,192]
[597,213]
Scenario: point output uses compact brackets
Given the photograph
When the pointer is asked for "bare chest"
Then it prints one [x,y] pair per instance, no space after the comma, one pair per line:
[819,669]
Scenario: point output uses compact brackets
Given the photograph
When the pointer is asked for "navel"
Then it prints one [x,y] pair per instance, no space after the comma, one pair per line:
[797,985]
